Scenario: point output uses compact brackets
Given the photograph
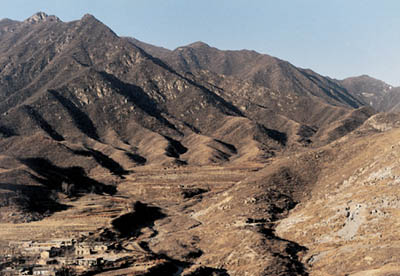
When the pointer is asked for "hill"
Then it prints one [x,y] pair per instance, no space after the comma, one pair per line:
[379,95]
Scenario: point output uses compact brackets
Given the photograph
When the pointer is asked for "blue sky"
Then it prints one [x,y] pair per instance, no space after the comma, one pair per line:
[337,38]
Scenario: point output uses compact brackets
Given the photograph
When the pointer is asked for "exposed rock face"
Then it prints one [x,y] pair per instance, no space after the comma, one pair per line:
[41,17]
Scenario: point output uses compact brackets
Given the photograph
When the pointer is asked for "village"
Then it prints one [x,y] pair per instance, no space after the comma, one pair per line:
[67,257]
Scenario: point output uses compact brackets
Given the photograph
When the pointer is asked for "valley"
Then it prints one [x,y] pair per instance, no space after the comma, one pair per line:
[118,157]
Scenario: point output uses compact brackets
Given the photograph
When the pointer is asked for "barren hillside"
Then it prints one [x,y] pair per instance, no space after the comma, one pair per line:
[194,161]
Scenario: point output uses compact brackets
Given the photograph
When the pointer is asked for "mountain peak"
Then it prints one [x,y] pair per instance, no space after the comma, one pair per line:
[91,23]
[89,17]
[199,44]
[41,17]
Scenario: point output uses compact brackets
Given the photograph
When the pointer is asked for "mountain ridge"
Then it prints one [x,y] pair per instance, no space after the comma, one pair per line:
[73,88]
[214,147]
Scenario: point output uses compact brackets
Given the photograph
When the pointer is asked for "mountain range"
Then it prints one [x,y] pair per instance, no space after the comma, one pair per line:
[82,110]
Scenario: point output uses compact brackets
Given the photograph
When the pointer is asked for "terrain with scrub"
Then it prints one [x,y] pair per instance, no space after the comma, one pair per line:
[193,161]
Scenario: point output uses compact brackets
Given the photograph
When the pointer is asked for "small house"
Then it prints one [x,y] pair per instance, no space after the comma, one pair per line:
[88,262]
[82,250]
[43,271]
[100,247]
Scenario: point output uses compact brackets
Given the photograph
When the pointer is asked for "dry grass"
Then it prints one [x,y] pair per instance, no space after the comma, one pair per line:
[350,224]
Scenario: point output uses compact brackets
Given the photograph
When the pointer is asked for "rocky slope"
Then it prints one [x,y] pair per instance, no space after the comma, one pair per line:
[262,70]
[379,95]
[349,224]
[266,89]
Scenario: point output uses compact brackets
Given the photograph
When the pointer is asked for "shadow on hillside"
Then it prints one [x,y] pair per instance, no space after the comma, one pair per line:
[273,134]
[288,252]
[129,225]
[6,132]
[138,97]
[42,123]
[31,198]
[140,160]
[105,161]
[71,181]
[81,120]
[174,148]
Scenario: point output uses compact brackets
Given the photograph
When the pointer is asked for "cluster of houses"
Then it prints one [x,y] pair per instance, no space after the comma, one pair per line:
[47,258]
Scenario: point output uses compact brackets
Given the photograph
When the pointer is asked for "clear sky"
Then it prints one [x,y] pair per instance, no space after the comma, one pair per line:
[337,38]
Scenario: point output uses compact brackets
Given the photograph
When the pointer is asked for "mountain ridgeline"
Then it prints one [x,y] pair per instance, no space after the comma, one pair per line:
[84,112]
[193,155]
[76,95]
